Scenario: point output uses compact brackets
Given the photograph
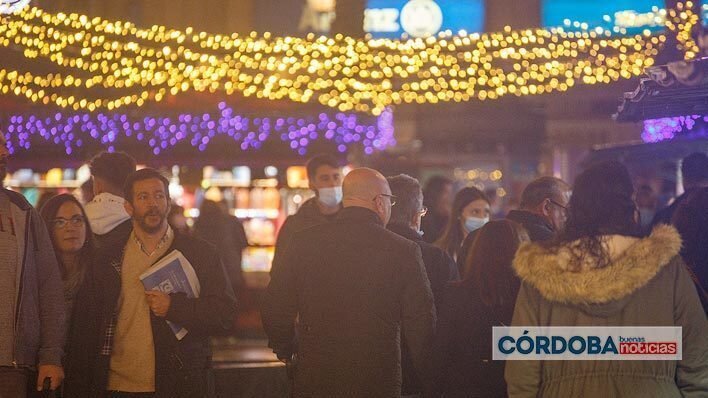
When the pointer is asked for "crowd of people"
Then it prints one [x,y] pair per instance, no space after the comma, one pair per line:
[395,291]
[76,318]
[379,287]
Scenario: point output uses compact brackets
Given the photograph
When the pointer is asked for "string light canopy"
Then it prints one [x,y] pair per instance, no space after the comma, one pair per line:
[111,64]
[247,132]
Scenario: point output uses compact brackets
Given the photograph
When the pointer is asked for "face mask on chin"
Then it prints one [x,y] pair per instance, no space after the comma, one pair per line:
[330,197]
[474,223]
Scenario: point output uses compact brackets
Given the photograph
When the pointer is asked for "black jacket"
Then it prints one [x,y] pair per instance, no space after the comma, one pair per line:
[439,266]
[115,237]
[462,352]
[353,285]
[665,215]
[433,226]
[441,269]
[182,367]
[307,216]
[539,228]
[229,237]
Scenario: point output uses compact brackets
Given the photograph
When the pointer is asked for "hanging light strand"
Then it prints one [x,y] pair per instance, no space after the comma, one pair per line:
[115,64]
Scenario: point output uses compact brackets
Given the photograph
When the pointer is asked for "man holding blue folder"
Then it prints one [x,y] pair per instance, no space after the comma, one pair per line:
[122,345]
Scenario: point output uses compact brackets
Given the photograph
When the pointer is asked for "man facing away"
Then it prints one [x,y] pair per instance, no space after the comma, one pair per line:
[353,285]
[405,221]
[31,297]
[109,221]
[121,344]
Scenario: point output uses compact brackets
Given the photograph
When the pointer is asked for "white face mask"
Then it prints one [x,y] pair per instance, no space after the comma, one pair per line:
[330,197]
[474,223]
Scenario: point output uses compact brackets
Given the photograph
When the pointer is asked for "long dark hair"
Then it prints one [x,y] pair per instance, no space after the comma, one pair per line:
[49,212]
[451,240]
[602,204]
[488,265]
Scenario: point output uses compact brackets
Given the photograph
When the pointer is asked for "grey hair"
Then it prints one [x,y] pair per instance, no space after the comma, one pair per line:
[409,198]
[541,189]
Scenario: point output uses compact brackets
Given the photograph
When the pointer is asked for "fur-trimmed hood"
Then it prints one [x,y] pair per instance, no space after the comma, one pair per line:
[559,277]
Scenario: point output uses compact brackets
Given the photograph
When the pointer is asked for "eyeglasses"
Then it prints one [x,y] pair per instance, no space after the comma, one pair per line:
[423,211]
[60,222]
[392,198]
[565,208]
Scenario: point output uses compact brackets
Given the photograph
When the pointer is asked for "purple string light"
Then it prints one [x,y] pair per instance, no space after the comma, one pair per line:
[656,130]
[162,133]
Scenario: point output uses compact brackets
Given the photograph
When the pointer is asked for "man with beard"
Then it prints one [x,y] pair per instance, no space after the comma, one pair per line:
[121,344]
[31,297]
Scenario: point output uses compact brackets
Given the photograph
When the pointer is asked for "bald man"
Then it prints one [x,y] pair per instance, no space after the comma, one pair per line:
[353,286]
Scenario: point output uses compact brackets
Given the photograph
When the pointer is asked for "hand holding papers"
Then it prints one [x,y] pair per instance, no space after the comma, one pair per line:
[173,274]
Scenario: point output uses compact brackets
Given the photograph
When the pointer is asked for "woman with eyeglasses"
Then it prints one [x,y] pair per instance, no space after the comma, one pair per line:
[72,240]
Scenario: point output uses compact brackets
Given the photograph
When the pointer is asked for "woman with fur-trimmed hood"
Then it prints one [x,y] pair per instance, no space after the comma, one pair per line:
[601,271]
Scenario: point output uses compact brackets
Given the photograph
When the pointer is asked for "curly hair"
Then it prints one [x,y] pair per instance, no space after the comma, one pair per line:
[602,204]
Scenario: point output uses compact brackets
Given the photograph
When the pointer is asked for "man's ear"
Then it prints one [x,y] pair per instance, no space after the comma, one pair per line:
[546,207]
[417,220]
[128,208]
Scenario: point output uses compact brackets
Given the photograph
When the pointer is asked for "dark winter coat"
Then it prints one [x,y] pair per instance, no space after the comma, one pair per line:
[441,269]
[354,285]
[228,235]
[439,266]
[539,228]
[307,216]
[462,352]
[433,226]
[645,284]
[182,367]
[40,319]
[115,237]
[665,215]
